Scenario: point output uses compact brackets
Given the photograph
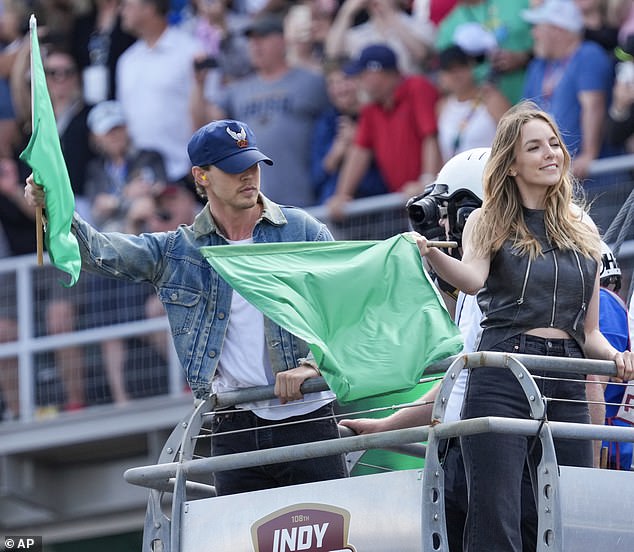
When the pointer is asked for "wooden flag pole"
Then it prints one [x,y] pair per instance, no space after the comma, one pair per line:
[433,243]
[39,235]
[39,224]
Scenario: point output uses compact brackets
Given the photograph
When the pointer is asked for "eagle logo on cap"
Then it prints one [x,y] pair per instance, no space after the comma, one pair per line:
[239,137]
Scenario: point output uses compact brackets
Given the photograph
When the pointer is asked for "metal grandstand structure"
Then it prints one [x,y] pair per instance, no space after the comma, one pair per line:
[389,511]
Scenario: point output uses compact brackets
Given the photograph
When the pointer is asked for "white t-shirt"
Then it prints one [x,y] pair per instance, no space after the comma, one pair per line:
[154,87]
[473,124]
[468,316]
[244,362]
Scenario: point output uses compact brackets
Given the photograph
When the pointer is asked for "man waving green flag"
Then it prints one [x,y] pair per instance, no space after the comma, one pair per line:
[370,314]
[43,153]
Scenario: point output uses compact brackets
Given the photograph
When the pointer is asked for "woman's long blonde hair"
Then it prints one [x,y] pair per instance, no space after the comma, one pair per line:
[502,218]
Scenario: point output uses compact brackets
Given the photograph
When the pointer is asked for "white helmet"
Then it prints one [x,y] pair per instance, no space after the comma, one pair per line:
[462,173]
[610,272]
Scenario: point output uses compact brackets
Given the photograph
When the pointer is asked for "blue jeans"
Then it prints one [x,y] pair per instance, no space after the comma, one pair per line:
[259,437]
[501,515]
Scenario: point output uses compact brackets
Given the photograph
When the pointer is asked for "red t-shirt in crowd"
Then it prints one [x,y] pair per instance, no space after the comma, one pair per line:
[395,136]
[438,9]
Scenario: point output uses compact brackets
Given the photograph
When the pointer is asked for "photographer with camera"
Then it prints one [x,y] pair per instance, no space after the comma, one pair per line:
[441,213]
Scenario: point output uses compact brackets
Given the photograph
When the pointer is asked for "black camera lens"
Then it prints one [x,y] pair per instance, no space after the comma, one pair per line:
[424,213]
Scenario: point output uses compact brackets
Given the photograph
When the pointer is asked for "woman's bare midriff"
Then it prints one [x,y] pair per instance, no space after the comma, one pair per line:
[553,333]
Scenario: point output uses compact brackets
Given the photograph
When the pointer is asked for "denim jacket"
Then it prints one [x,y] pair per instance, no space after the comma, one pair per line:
[196,298]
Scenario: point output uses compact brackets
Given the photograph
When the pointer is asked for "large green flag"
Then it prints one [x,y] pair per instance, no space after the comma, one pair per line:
[368,310]
[43,153]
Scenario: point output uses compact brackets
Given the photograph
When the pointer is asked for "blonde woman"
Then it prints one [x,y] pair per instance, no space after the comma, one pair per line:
[530,254]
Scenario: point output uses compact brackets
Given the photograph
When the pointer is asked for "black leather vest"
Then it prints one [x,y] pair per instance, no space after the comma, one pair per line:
[551,291]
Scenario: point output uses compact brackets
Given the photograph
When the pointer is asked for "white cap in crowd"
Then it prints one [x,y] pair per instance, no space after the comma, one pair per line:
[561,13]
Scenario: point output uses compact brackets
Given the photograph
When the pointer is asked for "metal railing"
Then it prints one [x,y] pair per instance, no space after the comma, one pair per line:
[30,343]
[180,468]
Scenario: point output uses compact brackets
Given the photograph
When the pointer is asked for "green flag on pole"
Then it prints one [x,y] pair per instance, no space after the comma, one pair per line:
[368,310]
[43,154]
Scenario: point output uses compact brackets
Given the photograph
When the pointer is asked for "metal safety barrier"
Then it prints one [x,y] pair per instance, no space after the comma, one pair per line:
[188,477]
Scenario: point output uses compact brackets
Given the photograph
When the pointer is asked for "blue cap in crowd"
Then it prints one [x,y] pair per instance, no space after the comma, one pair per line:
[229,145]
[376,57]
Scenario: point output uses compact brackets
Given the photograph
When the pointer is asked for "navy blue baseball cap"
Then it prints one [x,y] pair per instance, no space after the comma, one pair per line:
[376,57]
[227,144]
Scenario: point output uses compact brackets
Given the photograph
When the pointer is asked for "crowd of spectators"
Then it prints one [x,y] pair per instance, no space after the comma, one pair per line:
[351,98]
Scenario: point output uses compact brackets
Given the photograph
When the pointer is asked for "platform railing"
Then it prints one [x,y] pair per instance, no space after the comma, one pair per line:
[31,342]
[180,472]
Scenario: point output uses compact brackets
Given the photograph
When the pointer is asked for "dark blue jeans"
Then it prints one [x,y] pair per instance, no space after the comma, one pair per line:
[501,515]
[259,437]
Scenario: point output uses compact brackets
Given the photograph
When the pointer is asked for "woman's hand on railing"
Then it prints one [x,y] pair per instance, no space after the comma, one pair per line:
[624,365]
